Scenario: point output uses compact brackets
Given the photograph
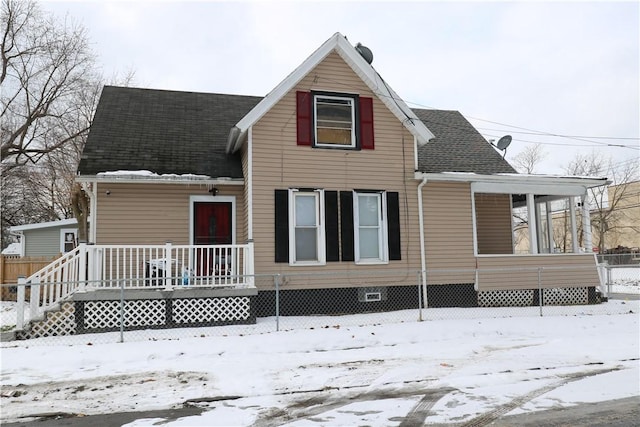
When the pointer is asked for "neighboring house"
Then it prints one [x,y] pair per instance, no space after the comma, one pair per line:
[331,172]
[622,226]
[46,238]
[12,249]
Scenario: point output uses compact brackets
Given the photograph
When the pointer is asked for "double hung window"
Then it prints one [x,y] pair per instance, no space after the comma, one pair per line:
[334,121]
[306,227]
[370,228]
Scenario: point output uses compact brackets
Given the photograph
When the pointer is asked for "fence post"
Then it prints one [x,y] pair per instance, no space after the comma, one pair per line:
[34,298]
[276,280]
[540,289]
[22,282]
[607,268]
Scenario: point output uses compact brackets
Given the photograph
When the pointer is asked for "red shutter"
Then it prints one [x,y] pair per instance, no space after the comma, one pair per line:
[303,113]
[366,123]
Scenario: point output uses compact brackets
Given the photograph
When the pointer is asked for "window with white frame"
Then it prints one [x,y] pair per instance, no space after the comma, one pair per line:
[370,228]
[306,233]
[334,121]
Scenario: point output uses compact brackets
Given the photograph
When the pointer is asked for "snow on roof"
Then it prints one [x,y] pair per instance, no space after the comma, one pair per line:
[12,249]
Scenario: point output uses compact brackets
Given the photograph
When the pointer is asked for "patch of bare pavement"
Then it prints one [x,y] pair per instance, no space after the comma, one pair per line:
[611,413]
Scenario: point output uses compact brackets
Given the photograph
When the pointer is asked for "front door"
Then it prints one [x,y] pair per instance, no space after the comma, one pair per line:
[212,225]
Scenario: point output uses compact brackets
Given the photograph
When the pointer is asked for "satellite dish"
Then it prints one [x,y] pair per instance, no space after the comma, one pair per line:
[504,142]
[365,52]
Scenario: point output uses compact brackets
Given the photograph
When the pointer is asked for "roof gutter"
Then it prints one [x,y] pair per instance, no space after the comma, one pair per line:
[109,178]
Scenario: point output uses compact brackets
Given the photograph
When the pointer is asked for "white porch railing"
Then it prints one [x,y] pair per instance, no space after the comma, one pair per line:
[135,266]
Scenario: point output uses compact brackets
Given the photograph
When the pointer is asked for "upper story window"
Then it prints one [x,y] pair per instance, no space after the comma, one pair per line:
[334,120]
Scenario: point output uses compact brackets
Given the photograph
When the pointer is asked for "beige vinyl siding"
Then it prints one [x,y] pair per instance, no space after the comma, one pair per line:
[153,214]
[448,233]
[522,271]
[278,163]
[493,223]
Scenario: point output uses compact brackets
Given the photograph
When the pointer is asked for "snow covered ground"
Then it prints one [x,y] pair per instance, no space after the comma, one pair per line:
[624,280]
[339,373]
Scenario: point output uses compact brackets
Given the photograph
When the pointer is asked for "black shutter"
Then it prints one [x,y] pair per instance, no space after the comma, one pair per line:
[393,226]
[282,225]
[346,225]
[332,239]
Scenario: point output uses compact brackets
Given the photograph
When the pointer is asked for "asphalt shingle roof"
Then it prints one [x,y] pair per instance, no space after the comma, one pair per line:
[165,132]
[457,146]
[171,132]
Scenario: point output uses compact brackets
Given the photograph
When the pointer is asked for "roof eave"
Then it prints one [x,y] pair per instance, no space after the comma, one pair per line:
[587,182]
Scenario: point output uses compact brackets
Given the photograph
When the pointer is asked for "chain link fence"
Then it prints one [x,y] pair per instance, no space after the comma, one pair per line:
[113,312]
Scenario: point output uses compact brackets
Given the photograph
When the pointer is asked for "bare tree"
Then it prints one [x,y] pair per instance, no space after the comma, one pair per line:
[45,65]
[528,159]
[605,204]
[49,89]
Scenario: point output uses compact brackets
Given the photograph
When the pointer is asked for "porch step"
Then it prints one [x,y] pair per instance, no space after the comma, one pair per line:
[57,320]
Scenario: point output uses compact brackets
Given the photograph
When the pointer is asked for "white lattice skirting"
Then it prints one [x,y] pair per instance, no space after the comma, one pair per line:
[525,297]
[61,322]
[196,310]
[108,314]
[170,313]
[513,298]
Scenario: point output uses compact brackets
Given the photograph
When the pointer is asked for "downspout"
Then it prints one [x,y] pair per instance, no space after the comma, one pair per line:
[423,260]
[250,185]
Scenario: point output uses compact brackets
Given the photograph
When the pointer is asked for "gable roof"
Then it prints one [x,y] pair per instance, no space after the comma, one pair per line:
[359,65]
[171,132]
[457,146]
[164,132]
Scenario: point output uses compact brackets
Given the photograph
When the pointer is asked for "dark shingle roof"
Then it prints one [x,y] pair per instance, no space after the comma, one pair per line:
[165,132]
[457,146]
[170,132]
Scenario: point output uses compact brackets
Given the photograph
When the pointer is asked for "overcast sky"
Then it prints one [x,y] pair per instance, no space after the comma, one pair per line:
[518,68]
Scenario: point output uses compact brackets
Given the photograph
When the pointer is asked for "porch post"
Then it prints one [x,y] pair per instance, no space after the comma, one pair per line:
[168,266]
[531,217]
[550,227]
[586,223]
[82,268]
[574,229]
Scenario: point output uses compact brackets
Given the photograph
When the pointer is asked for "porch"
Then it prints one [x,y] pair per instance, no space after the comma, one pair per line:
[199,284]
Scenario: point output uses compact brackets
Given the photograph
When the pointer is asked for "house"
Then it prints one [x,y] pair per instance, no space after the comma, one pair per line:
[328,183]
[46,238]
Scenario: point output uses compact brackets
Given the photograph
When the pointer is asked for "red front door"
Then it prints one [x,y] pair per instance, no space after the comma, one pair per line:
[212,225]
